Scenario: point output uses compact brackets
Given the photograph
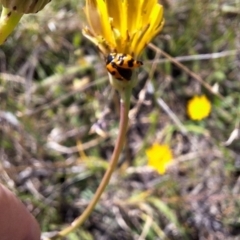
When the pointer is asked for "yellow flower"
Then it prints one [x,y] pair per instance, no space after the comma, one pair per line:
[199,107]
[121,29]
[123,26]
[159,157]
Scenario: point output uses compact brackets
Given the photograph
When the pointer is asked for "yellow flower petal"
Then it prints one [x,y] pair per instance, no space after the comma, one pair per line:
[146,10]
[117,13]
[133,15]
[156,23]
[105,21]
[94,22]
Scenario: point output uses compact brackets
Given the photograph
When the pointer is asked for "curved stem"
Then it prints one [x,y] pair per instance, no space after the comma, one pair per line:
[8,21]
[124,110]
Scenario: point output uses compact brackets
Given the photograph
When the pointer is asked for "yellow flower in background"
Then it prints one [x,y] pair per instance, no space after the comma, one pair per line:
[123,26]
[159,157]
[199,107]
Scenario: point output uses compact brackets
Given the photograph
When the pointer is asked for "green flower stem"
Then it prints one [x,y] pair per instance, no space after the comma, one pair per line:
[8,21]
[123,125]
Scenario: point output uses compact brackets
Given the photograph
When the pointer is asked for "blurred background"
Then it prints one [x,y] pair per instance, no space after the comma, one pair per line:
[59,120]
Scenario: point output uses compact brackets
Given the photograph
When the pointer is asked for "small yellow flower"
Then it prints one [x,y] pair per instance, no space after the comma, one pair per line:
[123,26]
[199,107]
[159,157]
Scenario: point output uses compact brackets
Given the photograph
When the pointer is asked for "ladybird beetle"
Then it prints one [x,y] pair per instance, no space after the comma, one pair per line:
[121,65]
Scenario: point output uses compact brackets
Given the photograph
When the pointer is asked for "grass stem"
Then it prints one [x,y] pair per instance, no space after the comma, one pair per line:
[123,125]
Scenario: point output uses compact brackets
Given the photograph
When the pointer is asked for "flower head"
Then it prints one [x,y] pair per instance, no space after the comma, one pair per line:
[124,26]
[159,157]
[199,107]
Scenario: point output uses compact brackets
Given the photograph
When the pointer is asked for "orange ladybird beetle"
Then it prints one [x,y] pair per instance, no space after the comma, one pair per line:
[121,65]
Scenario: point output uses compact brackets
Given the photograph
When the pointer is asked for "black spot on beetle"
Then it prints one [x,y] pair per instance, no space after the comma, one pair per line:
[125,73]
[130,63]
[113,73]
[121,62]
[9,14]
[15,8]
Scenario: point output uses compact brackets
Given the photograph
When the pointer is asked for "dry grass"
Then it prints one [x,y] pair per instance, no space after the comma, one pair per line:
[59,120]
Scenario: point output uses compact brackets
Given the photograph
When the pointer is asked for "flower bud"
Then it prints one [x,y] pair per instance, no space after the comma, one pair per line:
[25,6]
